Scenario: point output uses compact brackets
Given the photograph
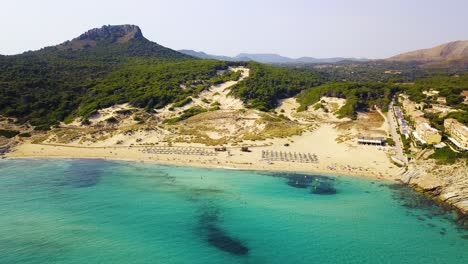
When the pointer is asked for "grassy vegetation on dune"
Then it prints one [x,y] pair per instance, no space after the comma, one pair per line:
[193,111]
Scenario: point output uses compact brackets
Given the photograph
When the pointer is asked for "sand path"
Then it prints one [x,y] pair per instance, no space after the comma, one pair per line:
[216,93]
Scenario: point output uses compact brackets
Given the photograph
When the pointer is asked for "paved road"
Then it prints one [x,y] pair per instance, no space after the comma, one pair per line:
[396,137]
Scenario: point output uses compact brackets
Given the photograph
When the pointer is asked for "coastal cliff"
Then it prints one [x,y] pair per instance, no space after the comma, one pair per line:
[444,183]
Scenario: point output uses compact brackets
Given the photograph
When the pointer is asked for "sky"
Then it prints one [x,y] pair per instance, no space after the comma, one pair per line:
[294,28]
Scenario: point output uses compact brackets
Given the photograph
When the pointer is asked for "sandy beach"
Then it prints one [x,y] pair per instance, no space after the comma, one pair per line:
[332,157]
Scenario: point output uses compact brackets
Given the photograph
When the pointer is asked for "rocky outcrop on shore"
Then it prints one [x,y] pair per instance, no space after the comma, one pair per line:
[6,145]
[445,183]
[4,150]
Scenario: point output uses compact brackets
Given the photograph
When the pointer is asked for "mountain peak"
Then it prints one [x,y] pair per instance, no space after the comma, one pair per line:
[120,33]
[109,34]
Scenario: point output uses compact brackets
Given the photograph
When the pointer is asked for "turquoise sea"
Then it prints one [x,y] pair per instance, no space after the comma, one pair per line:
[93,211]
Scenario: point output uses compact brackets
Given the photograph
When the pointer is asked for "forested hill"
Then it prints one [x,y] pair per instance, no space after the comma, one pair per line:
[110,44]
[117,64]
[47,85]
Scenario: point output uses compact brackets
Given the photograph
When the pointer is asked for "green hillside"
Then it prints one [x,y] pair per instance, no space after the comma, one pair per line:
[116,64]
[152,86]
[48,85]
[267,84]
[360,96]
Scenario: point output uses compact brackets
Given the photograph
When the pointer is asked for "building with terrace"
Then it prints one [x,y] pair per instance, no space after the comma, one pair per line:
[458,134]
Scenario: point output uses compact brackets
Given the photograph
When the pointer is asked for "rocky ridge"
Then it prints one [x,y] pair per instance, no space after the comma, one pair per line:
[445,183]
[109,34]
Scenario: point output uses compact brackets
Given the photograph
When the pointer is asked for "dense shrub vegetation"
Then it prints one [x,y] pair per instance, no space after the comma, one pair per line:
[60,83]
[371,71]
[267,84]
[359,96]
[449,86]
[153,86]
[46,87]
[446,156]
[8,133]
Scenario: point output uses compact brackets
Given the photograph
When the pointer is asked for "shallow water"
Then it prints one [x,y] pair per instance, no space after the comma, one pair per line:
[76,211]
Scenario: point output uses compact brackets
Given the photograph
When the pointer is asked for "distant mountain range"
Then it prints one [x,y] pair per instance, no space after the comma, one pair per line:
[452,53]
[268,58]
[449,54]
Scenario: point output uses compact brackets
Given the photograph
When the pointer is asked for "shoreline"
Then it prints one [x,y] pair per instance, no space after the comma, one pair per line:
[254,167]
[329,173]
[238,161]
[325,151]
[462,216]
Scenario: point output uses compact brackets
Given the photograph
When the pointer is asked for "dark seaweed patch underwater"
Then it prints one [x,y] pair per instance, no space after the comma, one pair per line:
[424,208]
[317,184]
[83,174]
[216,236]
